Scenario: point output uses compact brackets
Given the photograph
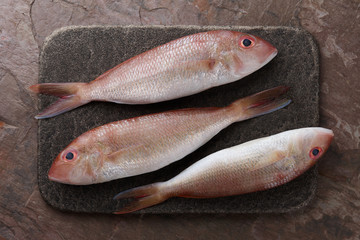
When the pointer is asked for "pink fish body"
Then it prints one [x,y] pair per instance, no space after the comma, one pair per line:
[147,143]
[182,67]
[252,166]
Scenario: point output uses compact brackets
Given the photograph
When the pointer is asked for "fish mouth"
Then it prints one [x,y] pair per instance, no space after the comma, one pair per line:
[59,173]
[268,57]
[63,173]
[327,131]
[55,179]
[324,137]
[328,135]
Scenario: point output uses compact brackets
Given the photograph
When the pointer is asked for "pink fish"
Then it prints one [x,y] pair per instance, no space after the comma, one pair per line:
[182,67]
[147,143]
[252,166]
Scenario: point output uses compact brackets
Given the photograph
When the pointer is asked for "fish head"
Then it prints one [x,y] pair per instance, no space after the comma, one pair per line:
[78,163]
[313,143]
[248,53]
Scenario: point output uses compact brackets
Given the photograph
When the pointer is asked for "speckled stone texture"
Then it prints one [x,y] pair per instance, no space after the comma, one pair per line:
[78,54]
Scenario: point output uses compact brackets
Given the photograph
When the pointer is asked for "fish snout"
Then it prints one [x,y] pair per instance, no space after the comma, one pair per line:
[268,52]
[325,136]
[59,173]
[69,173]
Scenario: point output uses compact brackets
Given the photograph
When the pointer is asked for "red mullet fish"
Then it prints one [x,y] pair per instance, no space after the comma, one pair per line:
[252,166]
[147,143]
[182,67]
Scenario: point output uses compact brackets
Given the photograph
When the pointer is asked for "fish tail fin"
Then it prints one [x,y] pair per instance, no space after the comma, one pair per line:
[68,94]
[260,103]
[144,196]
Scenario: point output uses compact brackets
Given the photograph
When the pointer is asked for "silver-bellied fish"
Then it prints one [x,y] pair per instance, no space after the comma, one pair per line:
[252,166]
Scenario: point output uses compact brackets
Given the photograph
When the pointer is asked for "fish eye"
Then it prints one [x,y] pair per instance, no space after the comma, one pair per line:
[315,152]
[70,155]
[247,42]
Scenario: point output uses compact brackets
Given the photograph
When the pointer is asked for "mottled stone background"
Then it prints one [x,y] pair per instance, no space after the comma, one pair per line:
[333,214]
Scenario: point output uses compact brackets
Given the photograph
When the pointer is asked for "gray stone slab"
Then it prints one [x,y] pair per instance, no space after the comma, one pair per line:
[80,54]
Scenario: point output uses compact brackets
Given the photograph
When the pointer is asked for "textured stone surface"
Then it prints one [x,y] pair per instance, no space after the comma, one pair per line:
[334,212]
[82,54]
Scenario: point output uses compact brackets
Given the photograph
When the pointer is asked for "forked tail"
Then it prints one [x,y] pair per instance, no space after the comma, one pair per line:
[260,103]
[142,197]
[68,94]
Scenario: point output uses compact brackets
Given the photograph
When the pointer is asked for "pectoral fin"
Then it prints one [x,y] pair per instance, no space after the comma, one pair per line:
[196,65]
[272,158]
[125,151]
